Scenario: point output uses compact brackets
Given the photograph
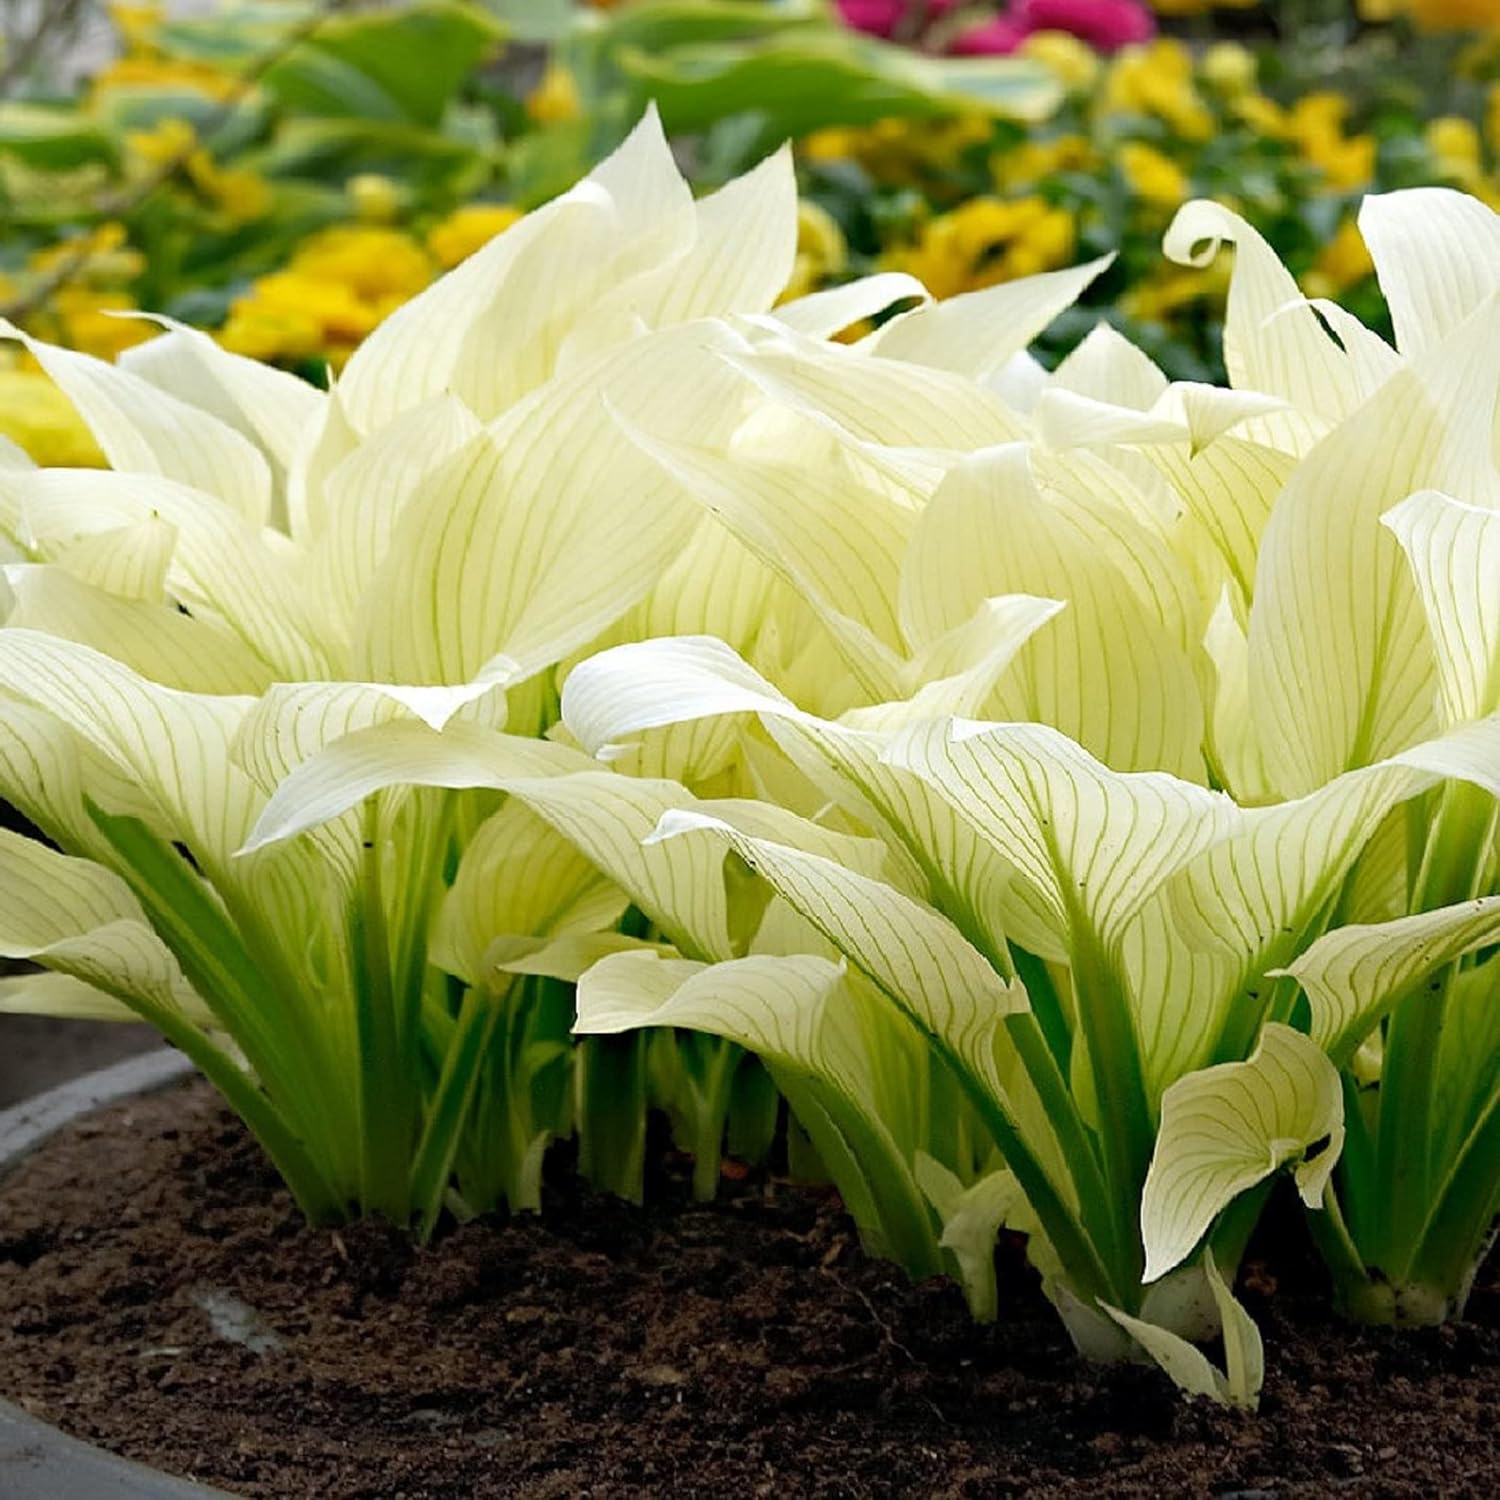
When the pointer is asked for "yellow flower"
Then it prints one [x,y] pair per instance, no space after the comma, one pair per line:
[1261,114]
[166,141]
[555,99]
[164,73]
[1152,175]
[99,257]
[1230,68]
[376,199]
[468,228]
[1456,150]
[1174,290]
[1316,124]
[1028,163]
[1343,262]
[369,261]
[902,152]
[35,414]
[1492,118]
[1453,15]
[137,23]
[263,329]
[241,194]
[985,241]
[84,319]
[821,250]
[1157,79]
[1073,63]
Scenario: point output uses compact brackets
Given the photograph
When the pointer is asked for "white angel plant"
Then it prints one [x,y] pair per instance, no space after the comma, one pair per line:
[266,568]
[1158,725]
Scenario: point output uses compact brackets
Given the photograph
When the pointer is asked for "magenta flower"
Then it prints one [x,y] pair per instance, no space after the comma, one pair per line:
[1105,24]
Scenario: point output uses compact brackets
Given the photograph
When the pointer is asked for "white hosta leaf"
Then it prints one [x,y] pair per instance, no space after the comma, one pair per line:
[568,958]
[976,333]
[1355,975]
[820,315]
[143,430]
[61,997]
[174,746]
[1454,553]
[533,538]
[365,494]
[1273,342]
[816,520]
[1092,843]
[1437,255]
[221,568]
[269,406]
[156,640]
[1107,367]
[916,957]
[972,1218]
[623,208]
[518,879]
[1255,889]
[643,686]
[82,920]
[130,561]
[883,401]
[1226,1128]
[1110,670]
[1341,663]
[1186,413]
[1233,746]
[742,253]
[1188,1368]
[403,752]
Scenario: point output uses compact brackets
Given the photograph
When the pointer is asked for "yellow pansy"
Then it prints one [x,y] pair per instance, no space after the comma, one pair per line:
[555,99]
[1156,300]
[1157,79]
[376,199]
[1032,160]
[1316,124]
[36,415]
[137,23]
[1153,175]
[1230,68]
[1264,116]
[985,241]
[821,250]
[466,229]
[1457,153]
[371,261]
[1073,63]
[1343,262]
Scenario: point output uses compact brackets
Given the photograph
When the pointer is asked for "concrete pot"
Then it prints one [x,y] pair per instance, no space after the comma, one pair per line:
[37,1462]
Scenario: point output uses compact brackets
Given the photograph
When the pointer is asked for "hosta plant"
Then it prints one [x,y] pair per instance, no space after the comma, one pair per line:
[1124,827]
[267,567]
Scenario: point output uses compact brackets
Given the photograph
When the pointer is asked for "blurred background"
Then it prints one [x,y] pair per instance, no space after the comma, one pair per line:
[285,173]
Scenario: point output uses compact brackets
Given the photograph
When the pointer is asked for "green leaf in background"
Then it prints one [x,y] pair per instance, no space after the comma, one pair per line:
[51,138]
[803,84]
[362,65]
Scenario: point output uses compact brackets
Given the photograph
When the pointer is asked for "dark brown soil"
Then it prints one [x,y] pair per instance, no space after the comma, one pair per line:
[748,1348]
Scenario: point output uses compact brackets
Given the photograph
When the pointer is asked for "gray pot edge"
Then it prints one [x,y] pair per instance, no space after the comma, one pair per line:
[37,1460]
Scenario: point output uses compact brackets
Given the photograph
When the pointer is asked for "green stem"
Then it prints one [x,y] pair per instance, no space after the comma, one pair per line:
[386,1091]
[1408,1088]
[1463,1211]
[1125,1115]
[452,1103]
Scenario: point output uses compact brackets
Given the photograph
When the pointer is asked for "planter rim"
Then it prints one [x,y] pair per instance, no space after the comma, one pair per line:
[37,1460]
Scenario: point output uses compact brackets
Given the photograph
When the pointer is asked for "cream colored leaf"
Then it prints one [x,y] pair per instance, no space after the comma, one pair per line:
[1226,1128]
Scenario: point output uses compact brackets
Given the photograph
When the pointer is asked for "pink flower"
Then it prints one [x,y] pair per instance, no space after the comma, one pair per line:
[1105,24]
[882,17]
[997,38]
